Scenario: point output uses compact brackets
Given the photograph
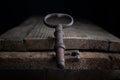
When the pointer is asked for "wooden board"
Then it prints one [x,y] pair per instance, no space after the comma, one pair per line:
[46,60]
[12,40]
[42,65]
[79,36]
[114,45]
[36,36]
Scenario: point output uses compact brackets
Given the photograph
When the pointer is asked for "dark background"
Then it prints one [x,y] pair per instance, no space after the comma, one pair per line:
[103,13]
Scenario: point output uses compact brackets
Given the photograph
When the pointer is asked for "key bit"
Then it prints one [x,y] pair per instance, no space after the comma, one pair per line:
[59,44]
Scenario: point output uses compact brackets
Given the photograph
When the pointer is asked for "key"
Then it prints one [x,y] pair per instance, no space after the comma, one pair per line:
[59,44]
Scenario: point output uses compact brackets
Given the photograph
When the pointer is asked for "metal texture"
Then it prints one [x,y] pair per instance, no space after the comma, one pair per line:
[72,56]
[59,44]
[59,15]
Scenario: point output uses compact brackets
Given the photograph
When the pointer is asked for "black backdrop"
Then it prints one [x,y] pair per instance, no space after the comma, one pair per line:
[104,13]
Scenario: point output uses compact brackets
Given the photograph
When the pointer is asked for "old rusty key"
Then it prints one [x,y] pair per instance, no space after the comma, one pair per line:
[59,44]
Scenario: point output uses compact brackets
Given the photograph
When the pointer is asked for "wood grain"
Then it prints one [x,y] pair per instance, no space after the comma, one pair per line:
[13,40]
[115,45]
[42,65]
[79,36]
[46,60]
[33,35]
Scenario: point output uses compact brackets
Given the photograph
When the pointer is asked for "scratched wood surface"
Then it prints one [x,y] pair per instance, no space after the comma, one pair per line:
[46,60]
[42,65]
[33,35]
[13,40]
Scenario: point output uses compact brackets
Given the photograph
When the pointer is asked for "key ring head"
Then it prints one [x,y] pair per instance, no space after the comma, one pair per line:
[58,15]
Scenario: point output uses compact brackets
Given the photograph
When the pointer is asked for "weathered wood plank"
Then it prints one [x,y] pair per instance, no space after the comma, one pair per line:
[12,40]
[94,65]
[46,60]
[115,45]
[79,36]
[34,35]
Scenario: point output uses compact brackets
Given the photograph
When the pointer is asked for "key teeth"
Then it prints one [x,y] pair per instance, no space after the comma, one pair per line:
[61,65]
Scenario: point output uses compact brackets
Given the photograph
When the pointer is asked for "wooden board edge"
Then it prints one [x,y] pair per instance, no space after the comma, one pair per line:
[13,45]
[46,60]
[115,46]
[85,44]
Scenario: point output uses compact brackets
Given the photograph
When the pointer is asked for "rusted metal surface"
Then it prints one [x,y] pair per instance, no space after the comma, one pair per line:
[73,56]
[59,44]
